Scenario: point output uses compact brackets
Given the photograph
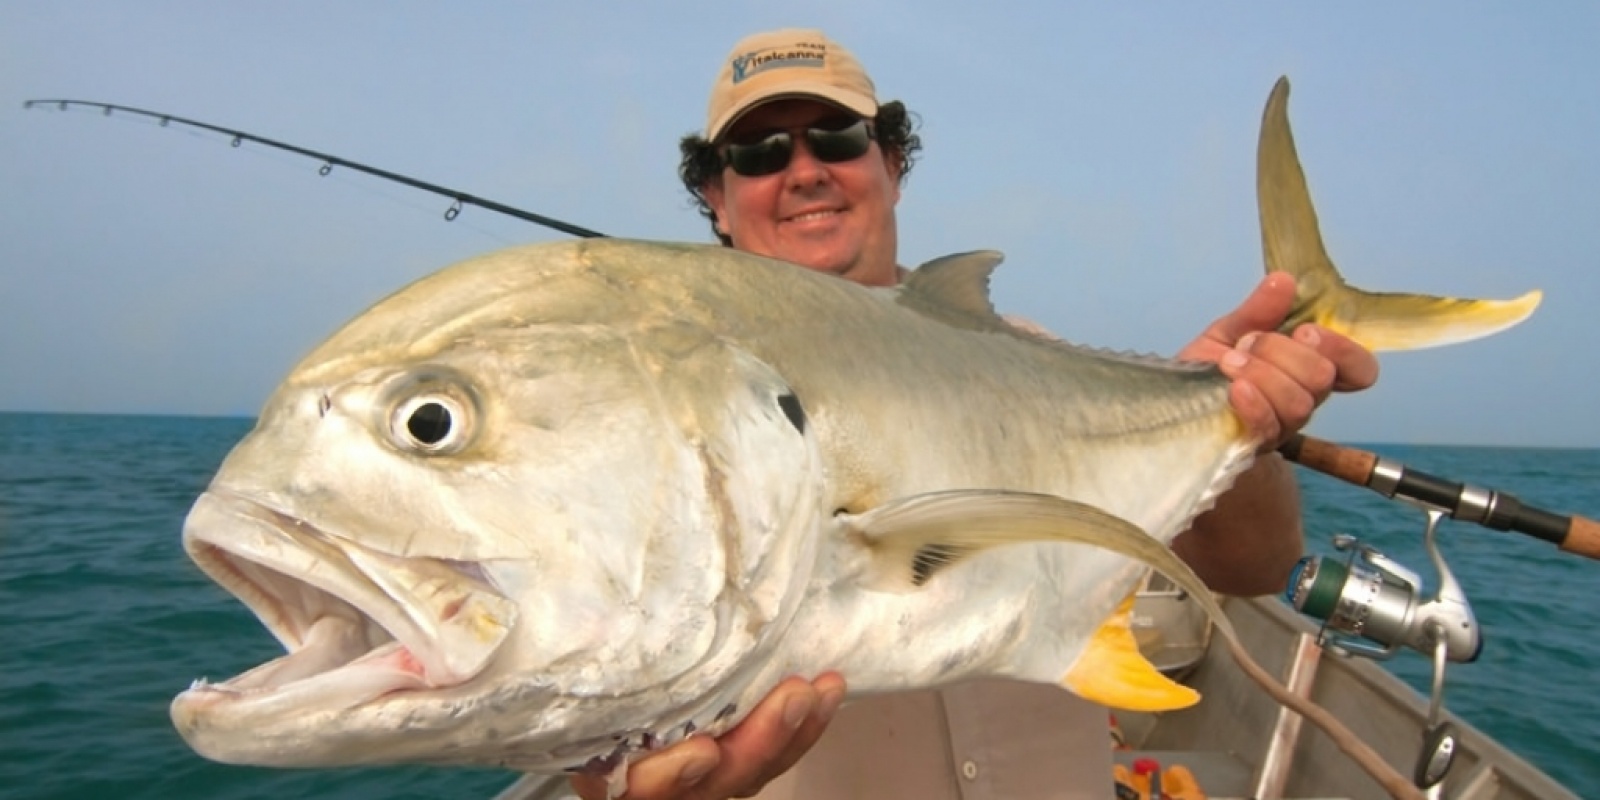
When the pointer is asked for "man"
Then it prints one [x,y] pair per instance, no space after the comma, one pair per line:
[799,161]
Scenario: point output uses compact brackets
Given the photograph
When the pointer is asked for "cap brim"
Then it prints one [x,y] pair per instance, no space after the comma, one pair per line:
[863,105]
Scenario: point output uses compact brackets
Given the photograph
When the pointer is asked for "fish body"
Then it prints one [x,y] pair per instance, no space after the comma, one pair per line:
[648,535]
[564,503]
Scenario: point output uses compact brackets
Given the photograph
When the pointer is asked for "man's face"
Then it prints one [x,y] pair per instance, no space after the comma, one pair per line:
[836,218]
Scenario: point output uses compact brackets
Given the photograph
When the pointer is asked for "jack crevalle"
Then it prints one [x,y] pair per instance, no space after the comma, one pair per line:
[564,503]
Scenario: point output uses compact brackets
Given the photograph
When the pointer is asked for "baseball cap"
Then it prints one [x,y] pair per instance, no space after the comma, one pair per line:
[792,62]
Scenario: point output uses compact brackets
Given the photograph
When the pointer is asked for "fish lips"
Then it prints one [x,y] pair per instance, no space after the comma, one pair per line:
[359,626]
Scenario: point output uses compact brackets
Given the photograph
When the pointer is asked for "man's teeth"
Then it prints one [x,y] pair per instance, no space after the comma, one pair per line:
[811,216]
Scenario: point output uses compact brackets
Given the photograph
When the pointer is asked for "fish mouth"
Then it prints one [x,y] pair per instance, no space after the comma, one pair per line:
[358,625]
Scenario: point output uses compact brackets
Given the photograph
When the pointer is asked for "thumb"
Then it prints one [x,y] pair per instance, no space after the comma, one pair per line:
[1264,310]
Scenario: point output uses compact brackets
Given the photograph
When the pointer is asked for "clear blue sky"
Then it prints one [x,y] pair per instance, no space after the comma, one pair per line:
[1107,149]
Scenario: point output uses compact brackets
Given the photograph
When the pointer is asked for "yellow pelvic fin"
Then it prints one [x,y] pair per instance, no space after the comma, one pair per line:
[1112,671]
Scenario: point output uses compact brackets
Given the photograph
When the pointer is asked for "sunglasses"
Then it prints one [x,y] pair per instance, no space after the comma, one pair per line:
[831,141]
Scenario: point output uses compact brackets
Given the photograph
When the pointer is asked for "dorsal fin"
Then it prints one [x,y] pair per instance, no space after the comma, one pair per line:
[955,290]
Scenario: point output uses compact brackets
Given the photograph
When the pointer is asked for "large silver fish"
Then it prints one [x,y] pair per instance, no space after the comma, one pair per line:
[563,503]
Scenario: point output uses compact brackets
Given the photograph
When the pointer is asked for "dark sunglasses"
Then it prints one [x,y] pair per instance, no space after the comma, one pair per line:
[831,141]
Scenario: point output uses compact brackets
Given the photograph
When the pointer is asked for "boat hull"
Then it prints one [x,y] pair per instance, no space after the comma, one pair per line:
[1226,739]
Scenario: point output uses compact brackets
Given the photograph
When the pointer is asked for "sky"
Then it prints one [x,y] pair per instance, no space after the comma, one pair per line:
[1107,149]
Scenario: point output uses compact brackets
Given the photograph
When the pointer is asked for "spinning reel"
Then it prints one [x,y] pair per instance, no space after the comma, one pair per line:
[1371,606]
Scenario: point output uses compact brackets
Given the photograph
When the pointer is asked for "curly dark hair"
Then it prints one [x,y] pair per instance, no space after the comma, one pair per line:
[894,128]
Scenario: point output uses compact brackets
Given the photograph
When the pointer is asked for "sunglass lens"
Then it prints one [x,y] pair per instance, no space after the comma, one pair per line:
[765,157]
[844,144]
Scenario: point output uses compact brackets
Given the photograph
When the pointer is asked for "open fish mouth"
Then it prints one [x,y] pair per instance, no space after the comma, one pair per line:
[357,624]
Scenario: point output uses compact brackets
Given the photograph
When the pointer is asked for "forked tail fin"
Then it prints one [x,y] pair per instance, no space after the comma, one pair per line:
[1292,242]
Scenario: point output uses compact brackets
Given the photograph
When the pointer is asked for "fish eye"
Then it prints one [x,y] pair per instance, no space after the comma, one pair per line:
[429,423]
[432,423]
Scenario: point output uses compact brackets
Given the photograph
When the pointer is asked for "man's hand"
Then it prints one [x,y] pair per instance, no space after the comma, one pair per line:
[1278,380]
[1246,544]
[780,730]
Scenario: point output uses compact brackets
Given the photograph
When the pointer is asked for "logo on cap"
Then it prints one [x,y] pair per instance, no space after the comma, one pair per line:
[750,64]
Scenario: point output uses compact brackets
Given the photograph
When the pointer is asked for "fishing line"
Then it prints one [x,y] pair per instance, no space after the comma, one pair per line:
[276,157]
[369,188]
[330,163]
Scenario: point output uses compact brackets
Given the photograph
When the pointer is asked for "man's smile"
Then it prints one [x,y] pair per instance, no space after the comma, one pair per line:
[813,215]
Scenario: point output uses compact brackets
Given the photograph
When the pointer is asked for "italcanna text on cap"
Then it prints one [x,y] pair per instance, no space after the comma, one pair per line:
[793,62]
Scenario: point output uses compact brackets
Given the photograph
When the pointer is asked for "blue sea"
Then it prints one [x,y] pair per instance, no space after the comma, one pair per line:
[103,618]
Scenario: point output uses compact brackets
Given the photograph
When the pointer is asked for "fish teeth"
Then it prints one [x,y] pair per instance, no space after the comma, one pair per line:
[204,684]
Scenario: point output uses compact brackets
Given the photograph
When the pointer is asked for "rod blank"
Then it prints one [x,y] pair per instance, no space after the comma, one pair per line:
[1486,507]
[330,161]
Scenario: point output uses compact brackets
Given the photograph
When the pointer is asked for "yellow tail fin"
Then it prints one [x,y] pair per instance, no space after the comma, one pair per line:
[1292,242]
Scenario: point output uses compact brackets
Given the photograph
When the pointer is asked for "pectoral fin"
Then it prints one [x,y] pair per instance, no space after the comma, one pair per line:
[1112,671]
[911,541]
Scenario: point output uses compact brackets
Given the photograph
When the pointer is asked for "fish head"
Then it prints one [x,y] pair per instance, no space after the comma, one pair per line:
[506,542]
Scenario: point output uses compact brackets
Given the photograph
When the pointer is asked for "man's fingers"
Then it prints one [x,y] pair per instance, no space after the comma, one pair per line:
[668,774]
[776,733]
[1253,408]
[1355,367]
[1277,383]
[1298,370]
[830,690]
[754,751]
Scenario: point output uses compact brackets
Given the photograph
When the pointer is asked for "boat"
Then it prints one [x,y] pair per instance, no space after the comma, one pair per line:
[1240,743]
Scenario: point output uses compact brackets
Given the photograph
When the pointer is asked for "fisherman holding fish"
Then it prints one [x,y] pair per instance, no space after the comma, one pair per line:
[799,161]
[613,507]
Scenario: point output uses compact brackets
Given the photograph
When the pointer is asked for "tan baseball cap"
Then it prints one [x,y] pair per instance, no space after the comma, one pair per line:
[793,62]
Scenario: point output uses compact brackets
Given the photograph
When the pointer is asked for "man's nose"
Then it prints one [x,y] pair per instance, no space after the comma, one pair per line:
[805,169]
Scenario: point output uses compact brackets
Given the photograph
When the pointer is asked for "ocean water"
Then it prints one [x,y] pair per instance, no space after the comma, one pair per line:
[103,618]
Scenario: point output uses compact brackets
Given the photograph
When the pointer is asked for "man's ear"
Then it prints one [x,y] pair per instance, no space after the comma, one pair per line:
[716,198]
[895,163]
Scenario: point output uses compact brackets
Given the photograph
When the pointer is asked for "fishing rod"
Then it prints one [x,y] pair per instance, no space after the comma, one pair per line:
[330,161]
[1486,507]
